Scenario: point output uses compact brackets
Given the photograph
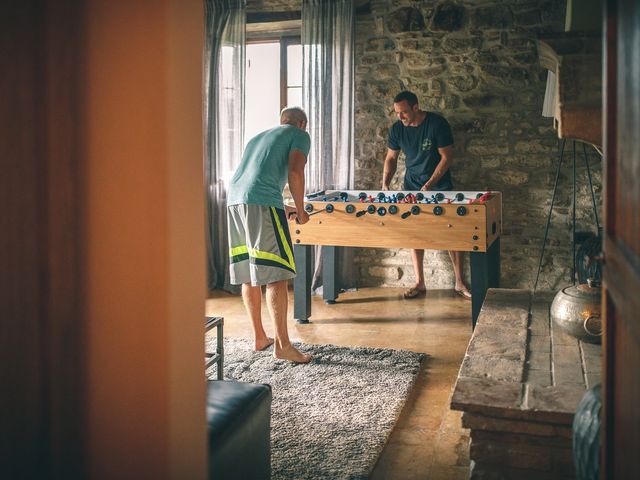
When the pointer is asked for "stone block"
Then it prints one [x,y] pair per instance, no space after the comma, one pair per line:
[553,404]
[486,396]
[379,44]
[461,44]
[518,456]
[448,17]
[563,461]
[482,471]
[534,146]
[539,325]
[492,367]
[538,377]
[559,338]
[392,273]
[492,17]
[386,89]
[514,178]
[505,342]
[405,19]
[567,353]
[415,59]
[388,71]
[431,71]
[506,76]
[539,361]
[463,83]
[528,18]
[487,102]
[492,424]
[540,343]
[523,439]
[490,162]
[506,309]
[593,379]
[487,146]
[376,58]
[568,374]
[591,349]
[593,364]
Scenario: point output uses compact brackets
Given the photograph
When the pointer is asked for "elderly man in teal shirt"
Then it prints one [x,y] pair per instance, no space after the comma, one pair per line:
[260,248]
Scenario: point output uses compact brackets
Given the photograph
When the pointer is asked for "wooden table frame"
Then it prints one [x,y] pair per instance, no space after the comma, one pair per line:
[467,225]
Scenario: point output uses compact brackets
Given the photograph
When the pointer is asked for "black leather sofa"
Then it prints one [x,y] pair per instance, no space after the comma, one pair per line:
[239,429]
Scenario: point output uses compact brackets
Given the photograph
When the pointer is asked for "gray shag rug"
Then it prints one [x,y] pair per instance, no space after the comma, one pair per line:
[331,418]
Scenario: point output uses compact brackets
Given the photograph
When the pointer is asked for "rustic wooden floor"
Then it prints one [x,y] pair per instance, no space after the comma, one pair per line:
[428,441]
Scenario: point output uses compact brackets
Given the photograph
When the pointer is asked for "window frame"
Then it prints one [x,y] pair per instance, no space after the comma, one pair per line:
[284,42]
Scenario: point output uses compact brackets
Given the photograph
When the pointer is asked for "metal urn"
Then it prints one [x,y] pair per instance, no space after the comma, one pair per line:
[576,310]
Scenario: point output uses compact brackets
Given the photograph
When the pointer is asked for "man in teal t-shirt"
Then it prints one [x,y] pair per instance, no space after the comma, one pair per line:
[260,248]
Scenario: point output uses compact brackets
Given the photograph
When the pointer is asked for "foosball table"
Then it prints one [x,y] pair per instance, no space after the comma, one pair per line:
[459,221]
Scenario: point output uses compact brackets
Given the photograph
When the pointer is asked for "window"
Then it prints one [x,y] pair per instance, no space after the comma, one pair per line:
[273,81]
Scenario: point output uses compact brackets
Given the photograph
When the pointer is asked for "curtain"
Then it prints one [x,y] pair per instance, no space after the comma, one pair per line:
[224,57]
[328,97]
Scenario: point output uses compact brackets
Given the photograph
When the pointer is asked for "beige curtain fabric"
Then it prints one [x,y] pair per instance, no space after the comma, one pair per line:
[328,97]
[224,65]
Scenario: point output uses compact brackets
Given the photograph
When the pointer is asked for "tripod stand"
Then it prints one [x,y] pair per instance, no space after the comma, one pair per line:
[573,209]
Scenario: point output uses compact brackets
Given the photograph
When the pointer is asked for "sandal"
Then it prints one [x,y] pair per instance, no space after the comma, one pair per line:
[463,293]
[414,292]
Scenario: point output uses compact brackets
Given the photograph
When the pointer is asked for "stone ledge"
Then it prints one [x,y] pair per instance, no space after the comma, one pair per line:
[493,424]
[518,386]
[506,370]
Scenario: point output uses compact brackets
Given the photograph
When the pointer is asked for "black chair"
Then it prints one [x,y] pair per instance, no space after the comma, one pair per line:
[239,430]
[238,421]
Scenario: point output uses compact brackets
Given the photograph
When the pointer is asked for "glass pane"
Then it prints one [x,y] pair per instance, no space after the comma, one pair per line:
[262,83]
[294,65]
[294,97]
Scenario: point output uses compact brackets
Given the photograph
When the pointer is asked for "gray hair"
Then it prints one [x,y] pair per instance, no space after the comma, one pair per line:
[292,115]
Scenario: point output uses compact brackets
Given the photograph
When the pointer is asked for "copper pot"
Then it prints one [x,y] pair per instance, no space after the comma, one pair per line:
[576,310]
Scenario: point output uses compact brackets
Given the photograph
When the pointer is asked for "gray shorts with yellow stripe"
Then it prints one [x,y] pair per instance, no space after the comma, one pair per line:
[260,248]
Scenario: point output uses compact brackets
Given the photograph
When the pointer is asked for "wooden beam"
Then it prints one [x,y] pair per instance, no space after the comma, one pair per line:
[270,17]
[361,7]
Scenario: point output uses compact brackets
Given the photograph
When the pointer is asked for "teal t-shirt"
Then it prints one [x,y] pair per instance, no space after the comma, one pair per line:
[264,169]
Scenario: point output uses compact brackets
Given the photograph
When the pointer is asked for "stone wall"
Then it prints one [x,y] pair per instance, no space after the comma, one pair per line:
[475,62]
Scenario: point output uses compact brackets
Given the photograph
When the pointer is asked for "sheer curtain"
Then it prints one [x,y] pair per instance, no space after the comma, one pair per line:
[328,93]
[224,57]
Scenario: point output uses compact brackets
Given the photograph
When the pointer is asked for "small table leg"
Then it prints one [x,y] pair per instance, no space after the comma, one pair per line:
[485,274]
[330,290]
[302,283]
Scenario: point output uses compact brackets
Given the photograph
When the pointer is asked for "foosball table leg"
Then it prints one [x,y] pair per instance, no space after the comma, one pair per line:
[302,283]
[485,274]
[330,288]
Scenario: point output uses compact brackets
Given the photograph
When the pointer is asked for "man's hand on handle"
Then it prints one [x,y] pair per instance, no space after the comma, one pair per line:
[300,217]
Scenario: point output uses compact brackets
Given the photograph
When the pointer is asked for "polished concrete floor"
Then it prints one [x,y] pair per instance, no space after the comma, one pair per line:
[428,441]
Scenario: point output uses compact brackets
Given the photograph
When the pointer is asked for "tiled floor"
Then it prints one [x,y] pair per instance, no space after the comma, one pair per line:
[428,441]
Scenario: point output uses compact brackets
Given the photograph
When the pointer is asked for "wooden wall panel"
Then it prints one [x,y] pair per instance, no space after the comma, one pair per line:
[23,240]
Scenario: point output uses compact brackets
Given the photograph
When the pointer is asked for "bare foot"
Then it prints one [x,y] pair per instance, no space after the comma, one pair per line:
[418,290]
[262,344]
[463,291]
[292,354]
